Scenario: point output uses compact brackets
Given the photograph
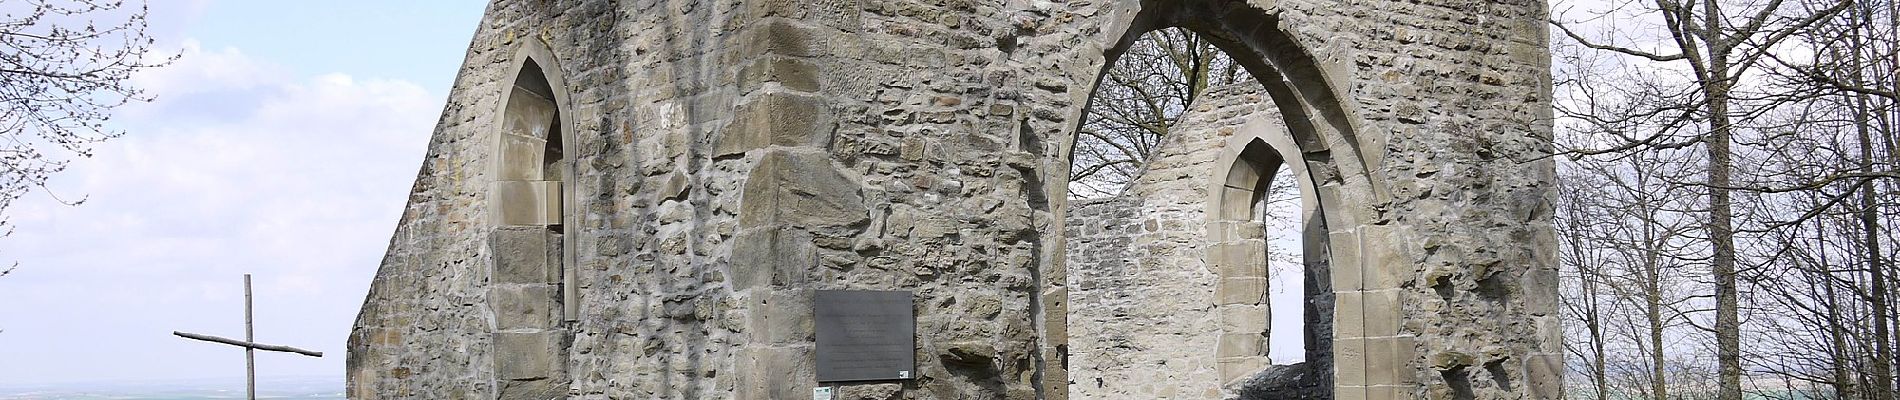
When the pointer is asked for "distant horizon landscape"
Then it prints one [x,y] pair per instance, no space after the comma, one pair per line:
[278,387]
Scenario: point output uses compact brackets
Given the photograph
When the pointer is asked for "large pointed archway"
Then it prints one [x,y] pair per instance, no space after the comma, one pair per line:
[1313,132]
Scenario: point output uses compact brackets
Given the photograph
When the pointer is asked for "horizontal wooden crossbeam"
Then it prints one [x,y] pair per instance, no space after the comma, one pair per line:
[240,343]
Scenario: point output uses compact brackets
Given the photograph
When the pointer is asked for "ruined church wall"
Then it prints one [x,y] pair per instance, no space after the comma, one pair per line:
[725,169]
[733,155]
[637,97]
[424,327]
[1160,306]
[1142,323]
[1442,191]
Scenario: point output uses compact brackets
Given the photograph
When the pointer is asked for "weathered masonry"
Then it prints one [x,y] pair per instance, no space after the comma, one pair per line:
[638,199]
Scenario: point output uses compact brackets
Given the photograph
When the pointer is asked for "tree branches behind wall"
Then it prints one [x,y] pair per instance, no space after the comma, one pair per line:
[1139,99]
[64,67]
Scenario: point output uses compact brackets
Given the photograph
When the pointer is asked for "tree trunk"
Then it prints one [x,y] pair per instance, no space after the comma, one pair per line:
[1728,327]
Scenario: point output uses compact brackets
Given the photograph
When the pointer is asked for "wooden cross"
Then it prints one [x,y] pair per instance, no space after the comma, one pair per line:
[250,347]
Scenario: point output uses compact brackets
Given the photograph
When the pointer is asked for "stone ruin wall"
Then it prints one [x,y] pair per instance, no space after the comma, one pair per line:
[1161,307]
[730,156]
[1141,321]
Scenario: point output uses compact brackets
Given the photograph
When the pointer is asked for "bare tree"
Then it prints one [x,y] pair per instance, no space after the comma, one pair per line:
[62,73]
[1718,42]
[1138,100]
[1788,107]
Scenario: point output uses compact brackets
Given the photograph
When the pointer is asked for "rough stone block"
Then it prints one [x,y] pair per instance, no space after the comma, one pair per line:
[1384,263]
[1550,334]
[1347,269]
[873,391]
[521,255]
[524,203]
[1386,360]
[1344,392]
[1543,375]
[778,119]
[1237,318]
[1235,368]
[1218,231]
[1244,291]
[1250,230]
[523,306]
[1314,240]
[1539,288]
[800,189]
[842,14]
[1405,350]
[528,355]
[771,256]
[1349,362]
[779,36]
[779,373]
[1242,345]
[1055,321]
[792,73]
[1239,259]
[781,317]
[1381,276]
[1383,393]
[538,389]
[1348,311]
[1382,313]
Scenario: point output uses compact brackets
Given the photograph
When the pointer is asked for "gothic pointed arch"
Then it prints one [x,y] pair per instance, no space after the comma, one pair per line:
[532,289]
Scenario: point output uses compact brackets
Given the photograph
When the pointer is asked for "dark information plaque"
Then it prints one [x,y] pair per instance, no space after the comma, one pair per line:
[865,335]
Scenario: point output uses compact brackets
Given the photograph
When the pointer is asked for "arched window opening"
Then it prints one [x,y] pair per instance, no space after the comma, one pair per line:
[1262,196]
[1282,218]
[533,119]
[1191,249]
[532,291]
[556,173]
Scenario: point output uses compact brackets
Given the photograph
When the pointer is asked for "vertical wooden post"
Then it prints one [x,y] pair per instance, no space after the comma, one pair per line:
[250,344]
[250,354]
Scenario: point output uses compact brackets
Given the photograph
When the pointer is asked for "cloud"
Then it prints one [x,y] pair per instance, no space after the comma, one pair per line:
[238,167]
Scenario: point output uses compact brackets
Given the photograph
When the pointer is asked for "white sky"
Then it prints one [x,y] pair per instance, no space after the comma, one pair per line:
[283,145]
